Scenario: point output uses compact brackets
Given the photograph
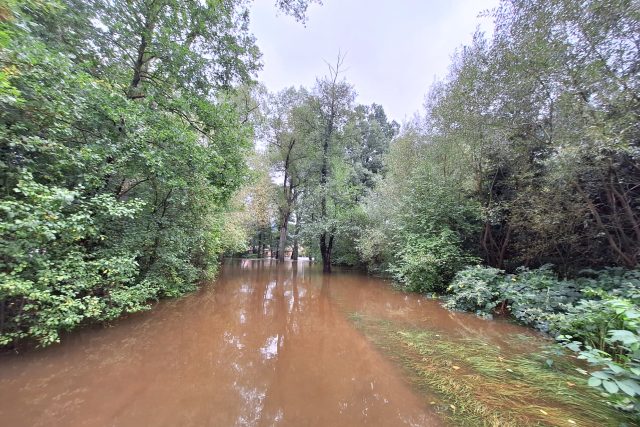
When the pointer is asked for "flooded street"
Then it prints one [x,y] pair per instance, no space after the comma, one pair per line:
[266,344]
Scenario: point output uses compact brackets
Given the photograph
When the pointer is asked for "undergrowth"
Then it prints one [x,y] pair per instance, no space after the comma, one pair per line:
[476,383]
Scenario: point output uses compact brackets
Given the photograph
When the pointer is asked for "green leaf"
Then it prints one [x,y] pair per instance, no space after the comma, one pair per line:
[574,346]
[601,374]
[624,336]
[610,386]
[615,368]
[628,386]
[594,382]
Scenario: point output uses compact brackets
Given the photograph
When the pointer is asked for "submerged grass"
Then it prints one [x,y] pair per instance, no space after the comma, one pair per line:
[481,384]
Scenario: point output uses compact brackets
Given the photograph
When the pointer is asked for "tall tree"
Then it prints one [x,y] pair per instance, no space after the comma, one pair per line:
[286,114]
[331,103]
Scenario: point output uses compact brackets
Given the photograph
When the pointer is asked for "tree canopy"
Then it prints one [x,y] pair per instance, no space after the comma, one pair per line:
[123,141]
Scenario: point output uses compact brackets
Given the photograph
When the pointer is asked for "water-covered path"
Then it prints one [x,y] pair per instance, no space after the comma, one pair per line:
[264,345]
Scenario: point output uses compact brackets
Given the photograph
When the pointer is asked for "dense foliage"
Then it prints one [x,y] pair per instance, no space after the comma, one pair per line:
[324,154]
[526,154]
[597,315]
[527,159]
[528,151]
[126,126]
[121,143]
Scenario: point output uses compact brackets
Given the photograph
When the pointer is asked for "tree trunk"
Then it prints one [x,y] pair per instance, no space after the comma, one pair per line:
[327,244]
[628,259]
[141,64]
[326,248]
[326,264]
[294,251]
[273,247]
[283,237]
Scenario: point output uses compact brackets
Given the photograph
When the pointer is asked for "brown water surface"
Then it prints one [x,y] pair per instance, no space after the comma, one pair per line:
[266,344]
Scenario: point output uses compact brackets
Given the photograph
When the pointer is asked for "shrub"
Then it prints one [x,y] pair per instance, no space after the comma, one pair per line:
[475,289]
[619,282]
[591,320]
[533,296]
[427,264]
[618,371]
[530,295]
[595,315]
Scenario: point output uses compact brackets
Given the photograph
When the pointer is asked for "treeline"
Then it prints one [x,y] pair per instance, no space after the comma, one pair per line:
[527,153]
[321,154]
[123,137]
[526,163]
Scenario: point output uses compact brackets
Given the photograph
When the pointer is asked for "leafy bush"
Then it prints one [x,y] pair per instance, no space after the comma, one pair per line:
[427,264]
[533,295]
[595,315]
[616,282]
[591,320]
[50,281]
[604,330]
[475,289]
[618,374]
[530,295]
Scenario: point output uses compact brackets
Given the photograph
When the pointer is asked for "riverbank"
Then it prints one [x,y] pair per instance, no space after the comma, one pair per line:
[522,380]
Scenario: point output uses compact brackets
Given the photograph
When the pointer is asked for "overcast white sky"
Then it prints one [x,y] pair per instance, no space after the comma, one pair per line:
[394,49]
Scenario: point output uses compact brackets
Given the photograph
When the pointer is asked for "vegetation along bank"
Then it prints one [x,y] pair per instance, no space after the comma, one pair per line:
[127,169]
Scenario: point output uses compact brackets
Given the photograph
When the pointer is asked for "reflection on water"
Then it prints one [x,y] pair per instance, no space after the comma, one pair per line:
[267,344]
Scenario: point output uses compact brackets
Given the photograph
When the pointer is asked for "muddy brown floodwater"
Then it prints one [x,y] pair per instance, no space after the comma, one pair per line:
[266,344]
